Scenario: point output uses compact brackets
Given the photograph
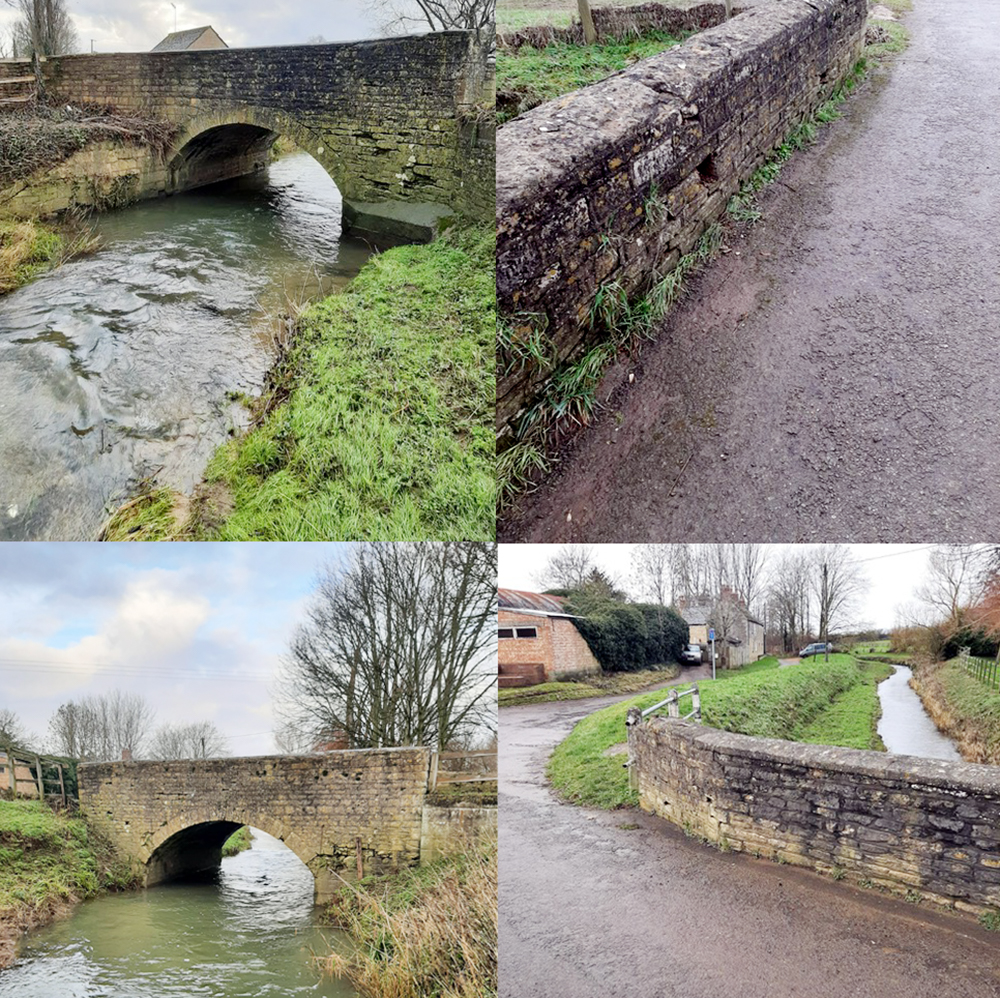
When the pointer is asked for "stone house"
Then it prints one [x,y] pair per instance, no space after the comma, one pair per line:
[192,38]
[739,637]
[537,641]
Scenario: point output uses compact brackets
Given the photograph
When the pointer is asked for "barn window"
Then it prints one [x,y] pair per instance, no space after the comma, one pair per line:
[505,632]
[527,632]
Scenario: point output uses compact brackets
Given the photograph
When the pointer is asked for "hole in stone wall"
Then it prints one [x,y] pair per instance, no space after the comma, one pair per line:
[706,170]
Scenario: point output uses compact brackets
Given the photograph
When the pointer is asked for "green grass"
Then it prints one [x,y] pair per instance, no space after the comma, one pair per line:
[760,700]
[379,422]
[532,76]
[47,862]
[238,842]
[510,19]
[608,684]
[852,719]
[26,250]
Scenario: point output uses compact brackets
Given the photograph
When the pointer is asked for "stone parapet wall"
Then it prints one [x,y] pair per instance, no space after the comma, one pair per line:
[612,184]
[447,831]
[916,824]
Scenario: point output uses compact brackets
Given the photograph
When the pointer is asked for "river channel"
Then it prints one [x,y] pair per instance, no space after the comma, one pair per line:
[250,932]
[123,364]
[905,727]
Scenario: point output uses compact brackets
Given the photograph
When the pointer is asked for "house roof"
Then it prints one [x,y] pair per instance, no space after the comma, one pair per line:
[696,613]
[517,599]
[178,41]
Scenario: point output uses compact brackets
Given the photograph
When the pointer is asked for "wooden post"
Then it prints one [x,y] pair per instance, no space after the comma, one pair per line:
[673,709]
[62,784]
[696,702]
[357,851]
[729,9]
[38,778]
[432,779]
[587,20]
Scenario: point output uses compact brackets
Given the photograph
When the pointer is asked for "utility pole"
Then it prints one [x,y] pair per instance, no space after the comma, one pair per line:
[826,615]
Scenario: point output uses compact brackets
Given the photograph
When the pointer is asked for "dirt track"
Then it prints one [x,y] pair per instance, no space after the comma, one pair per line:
[589,909]
[835,376]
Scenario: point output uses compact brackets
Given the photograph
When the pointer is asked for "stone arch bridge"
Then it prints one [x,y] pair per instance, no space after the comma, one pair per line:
[172,818]
[392,121]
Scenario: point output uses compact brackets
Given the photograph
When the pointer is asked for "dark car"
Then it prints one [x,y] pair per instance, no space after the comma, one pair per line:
[816,648]
[691,655]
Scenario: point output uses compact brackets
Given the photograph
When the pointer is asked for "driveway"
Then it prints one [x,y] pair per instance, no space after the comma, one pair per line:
[592,907]
[834,377]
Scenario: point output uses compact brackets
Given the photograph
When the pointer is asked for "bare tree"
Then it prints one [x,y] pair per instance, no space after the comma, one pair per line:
[12,731]
[568,568]
[44,28]
[102,727]
[838,583]
[748,563]
[653,567]
[403,16]
[955,579]
[199,740]
[788,598]
[399,647]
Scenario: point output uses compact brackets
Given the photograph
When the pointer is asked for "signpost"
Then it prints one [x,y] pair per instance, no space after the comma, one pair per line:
[711,638]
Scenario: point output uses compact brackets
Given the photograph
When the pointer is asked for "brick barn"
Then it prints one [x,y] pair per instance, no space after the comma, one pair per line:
[537,641]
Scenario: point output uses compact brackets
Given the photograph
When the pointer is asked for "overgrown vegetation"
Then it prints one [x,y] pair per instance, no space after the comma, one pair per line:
[378,420]
[26,249]
[790,703]
[531,76]
[607,684]
[964,708]
[569,397]
[49,861]
[238,842]
[47,135]
[427,932]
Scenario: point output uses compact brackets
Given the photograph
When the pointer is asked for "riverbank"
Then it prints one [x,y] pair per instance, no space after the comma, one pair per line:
[424,932]
[48,862]
[963,708]
[376,421]
[29,248]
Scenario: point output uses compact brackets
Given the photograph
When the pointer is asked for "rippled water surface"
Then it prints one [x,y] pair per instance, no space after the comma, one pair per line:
[250,933]
[122,363]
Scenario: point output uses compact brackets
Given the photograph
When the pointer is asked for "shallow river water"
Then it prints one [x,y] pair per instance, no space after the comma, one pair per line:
[905,727]
[122,363]
[252,932]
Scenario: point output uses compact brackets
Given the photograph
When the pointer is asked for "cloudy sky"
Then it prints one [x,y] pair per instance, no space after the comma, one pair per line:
[198,629]
[894,571]
[137,25]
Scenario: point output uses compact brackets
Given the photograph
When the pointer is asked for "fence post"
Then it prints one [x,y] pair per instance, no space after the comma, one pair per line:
[696,702]
[673,705]
[62,784]
[433,778]
[38,779]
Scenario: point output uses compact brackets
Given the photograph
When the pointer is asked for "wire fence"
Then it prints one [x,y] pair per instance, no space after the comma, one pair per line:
[986,670]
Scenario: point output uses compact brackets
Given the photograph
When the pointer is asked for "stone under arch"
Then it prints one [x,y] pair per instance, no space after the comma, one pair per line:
[225,144]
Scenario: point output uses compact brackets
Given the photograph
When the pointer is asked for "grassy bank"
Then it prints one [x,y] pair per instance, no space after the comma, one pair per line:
[831,703]
[48,862]
[26,249]
[608,683]
[238,842]
[531,76]
[963,707]
[377,422]
[427,932]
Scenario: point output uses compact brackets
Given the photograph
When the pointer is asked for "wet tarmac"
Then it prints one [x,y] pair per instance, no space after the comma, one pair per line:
[596,903]
[832,377]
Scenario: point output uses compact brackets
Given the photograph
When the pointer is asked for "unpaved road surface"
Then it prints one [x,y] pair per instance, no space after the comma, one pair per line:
[836,375]
[589,909]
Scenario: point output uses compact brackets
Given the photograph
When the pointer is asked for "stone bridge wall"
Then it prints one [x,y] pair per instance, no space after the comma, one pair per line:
[614,183]
[906,823]
[319,805]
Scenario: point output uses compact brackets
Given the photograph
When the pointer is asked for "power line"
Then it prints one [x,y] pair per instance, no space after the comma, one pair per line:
[138,671]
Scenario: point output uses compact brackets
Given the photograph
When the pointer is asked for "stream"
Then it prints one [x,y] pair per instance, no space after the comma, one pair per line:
[250,932]
[905,727]
[127,362]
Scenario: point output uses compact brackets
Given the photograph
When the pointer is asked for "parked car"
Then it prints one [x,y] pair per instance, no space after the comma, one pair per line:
[816,648]
[691,655]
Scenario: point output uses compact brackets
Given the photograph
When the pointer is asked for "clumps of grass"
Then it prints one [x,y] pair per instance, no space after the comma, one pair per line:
[429,932]
[239,841]
[384,427]
[990,920]
[532,76]
[26,249]
[569,396]
[149,515]
[49,861]
[964,708]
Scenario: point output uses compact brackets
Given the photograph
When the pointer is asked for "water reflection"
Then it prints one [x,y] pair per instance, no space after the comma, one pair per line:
[251,932]
[123,363]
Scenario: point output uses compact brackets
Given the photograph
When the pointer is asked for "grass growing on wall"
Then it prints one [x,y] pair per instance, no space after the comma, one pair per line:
[531,76]
[789,703]
[48,862]
[427,932]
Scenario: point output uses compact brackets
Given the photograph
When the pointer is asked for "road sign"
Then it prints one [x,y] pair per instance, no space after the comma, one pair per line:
[711,634]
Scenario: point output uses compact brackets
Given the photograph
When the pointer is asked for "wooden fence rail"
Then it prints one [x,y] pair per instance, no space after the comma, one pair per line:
[463,767]
[986,670]
[44,775]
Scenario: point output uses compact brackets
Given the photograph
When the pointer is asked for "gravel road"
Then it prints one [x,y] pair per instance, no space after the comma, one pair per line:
[835,376]
[591,907]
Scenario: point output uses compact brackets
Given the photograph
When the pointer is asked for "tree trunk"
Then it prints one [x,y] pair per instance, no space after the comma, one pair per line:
[587,20]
